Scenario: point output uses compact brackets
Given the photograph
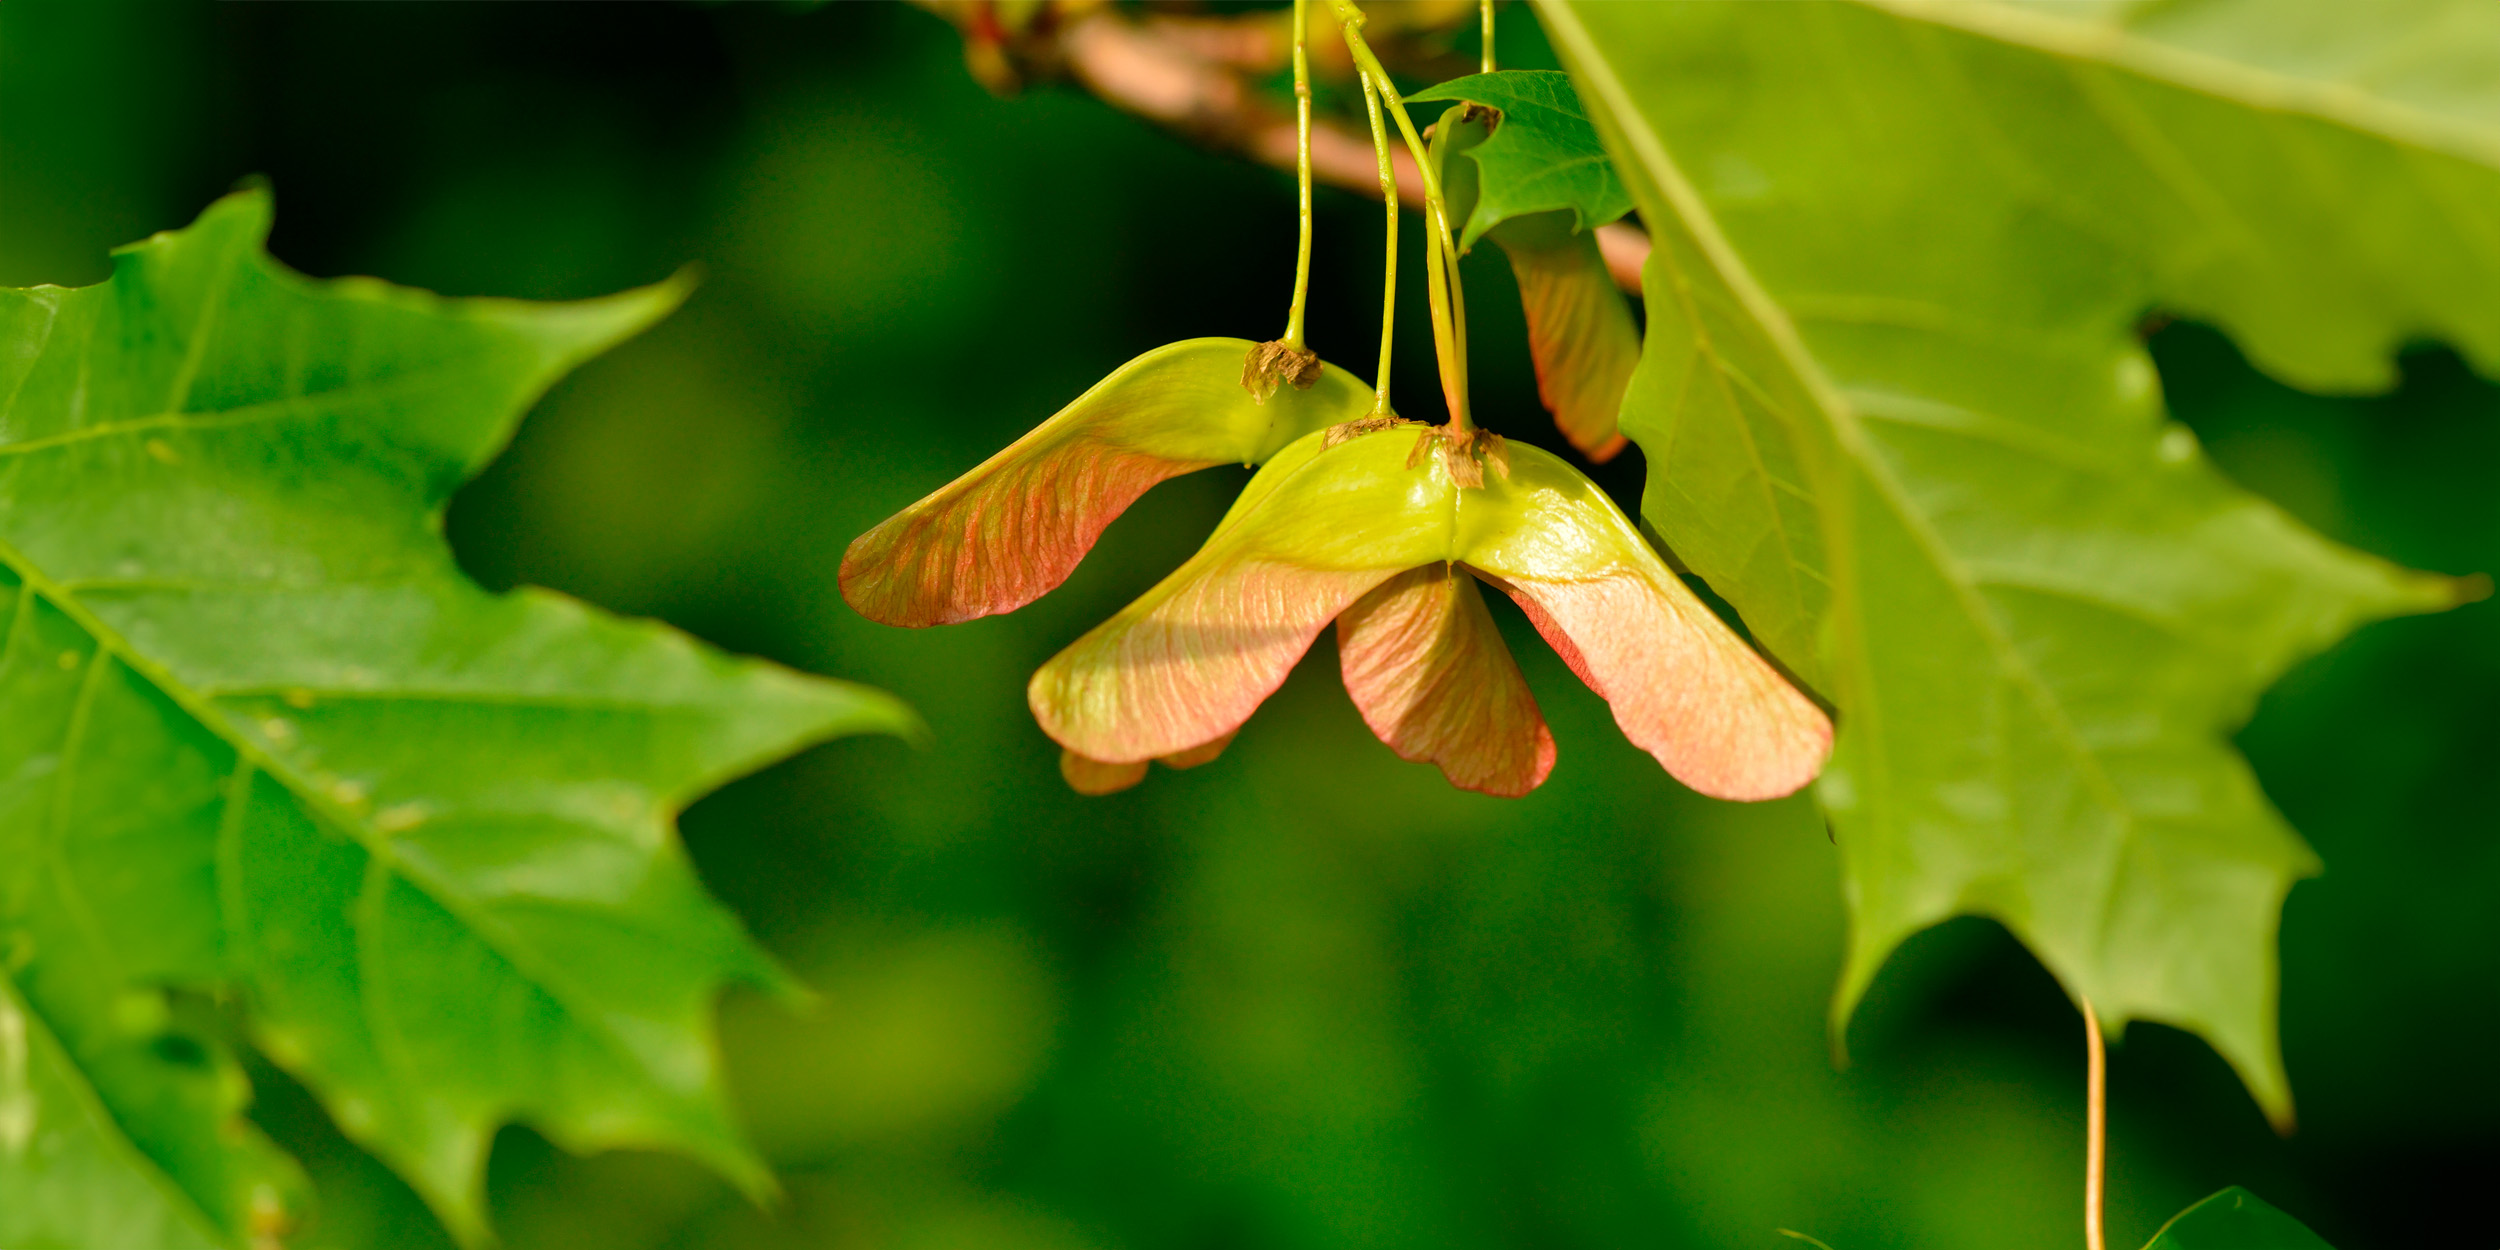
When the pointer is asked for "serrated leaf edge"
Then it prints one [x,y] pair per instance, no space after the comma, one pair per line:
[617,317]
[382,858]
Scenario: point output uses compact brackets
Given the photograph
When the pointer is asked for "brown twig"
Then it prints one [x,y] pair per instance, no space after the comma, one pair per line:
[1195,75]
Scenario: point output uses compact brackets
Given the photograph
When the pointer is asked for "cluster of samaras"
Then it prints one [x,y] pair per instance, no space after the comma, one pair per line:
[1383,526]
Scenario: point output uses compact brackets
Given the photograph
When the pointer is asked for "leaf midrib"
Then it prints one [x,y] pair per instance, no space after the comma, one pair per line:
[307,404]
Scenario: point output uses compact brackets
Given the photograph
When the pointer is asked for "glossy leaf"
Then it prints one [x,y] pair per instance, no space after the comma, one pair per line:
[1896,411]
[1543,157]
[264,741]
[1013,528]
[2234,1219]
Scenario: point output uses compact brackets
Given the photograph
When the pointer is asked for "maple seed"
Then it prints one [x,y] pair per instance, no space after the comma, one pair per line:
[1005,533]
[1272,364]
[1397,558]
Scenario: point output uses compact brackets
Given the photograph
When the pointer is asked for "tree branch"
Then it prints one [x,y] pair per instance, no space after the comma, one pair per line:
[1195,76]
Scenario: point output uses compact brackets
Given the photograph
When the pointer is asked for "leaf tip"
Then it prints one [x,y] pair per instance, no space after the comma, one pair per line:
[753,1178]
[577,330]
[2271,1086]
[864,709]
[241,216]
[1865,957]
[809,709]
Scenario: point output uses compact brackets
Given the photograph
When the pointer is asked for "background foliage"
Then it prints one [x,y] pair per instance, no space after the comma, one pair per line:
[1309,997]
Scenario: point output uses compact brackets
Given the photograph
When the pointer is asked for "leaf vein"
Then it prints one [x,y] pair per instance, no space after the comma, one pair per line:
[293,406]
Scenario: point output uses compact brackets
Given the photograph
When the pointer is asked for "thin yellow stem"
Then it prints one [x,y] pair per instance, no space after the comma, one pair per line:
[1451,292]
[1352,19]
[1302,170]
[2095,1128]
[1442,247]
[1444,338]
[1389,277]
[1463,416]
[1486,6]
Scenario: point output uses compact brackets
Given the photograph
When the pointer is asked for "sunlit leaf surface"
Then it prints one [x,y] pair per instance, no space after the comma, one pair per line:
[1896,410]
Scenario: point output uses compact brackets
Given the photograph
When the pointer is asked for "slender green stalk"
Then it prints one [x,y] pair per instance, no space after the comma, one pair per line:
[1449,311]
[1458,297]
[1463,415]
[1389,278]
[1444,340]
[1302,170]
[1486,7]
[1442,247]
[1371,68]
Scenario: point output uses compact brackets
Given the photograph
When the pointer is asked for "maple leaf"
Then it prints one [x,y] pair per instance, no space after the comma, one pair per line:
[1896,410]
[263,740]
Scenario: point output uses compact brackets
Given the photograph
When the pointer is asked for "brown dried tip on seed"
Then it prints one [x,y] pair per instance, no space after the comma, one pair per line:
[1464,453]
[1491,449]
[1465,471]
[1271,365]
[1348,431]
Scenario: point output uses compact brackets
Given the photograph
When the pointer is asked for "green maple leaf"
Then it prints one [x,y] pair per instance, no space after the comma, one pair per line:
[1896,410]
[1543,157]
[261,739]
[2234,1219]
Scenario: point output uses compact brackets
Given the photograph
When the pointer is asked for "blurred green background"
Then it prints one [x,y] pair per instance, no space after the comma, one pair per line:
[1308,996]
